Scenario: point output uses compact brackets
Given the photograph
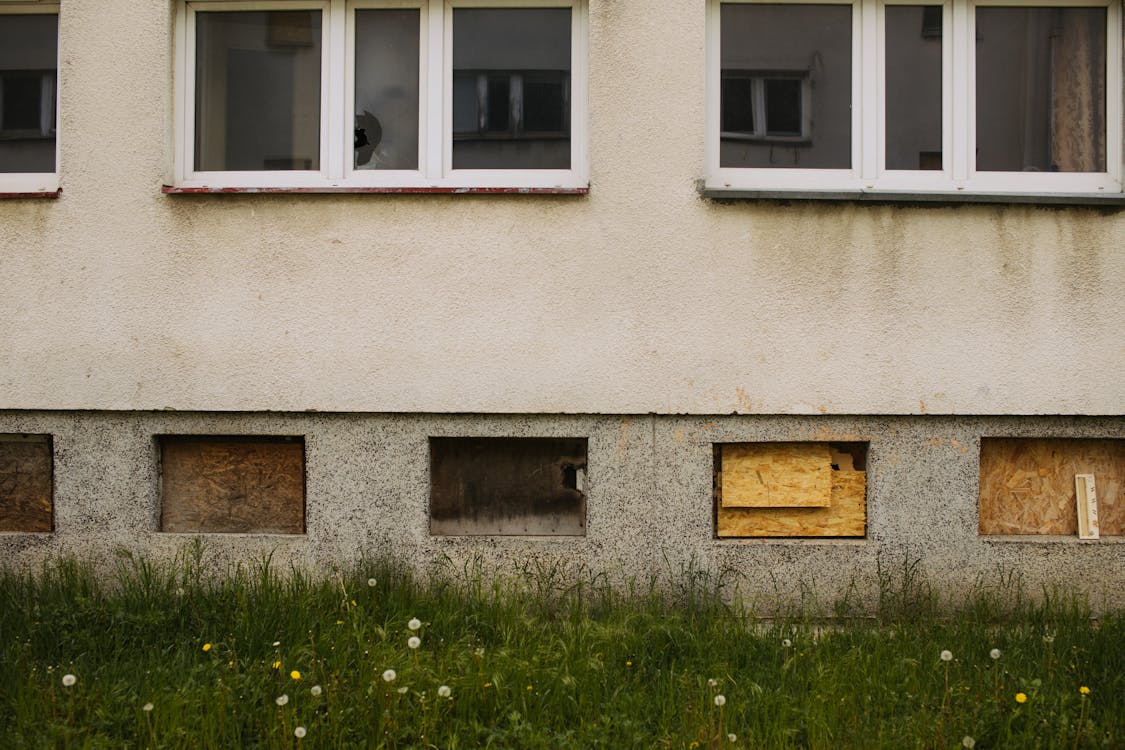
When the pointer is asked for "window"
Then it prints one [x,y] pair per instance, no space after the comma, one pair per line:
[28,83]
[381,95]
[998,97]
[26,483]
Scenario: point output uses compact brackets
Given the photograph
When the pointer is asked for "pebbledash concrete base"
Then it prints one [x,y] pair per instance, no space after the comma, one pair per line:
[649,499]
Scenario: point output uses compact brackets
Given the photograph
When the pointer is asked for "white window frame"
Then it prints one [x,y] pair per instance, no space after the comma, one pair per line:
[958,175]
[35,183]
[435,116]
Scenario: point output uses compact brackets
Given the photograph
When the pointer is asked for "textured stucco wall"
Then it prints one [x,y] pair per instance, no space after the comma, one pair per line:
[642,297]
[649,508]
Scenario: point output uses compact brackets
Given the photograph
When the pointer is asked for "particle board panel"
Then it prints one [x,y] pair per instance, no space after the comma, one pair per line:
[777,475]
[233,485]
[845,517]
[25,483]
[1027,484]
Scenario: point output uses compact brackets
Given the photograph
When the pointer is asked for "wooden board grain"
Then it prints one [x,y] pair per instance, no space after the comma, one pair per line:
[25,483]
[1027,484]
[233,485]
[776,475]
[845,517]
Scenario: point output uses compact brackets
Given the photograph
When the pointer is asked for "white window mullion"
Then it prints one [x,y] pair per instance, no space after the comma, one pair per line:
[1113,84]
[439,90]
[870,92]
[963,105]
[333,125]
[857,88]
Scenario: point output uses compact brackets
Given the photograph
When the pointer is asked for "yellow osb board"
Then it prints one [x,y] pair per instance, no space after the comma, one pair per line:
[1027,485]
[847,516]
[776,475]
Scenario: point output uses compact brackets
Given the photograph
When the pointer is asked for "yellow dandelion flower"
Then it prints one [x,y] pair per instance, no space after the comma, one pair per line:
[277,665]
[354,604]
[230,664]
[295,674]
[1084,690]
[339,622]
[628,663]
[1021,697]
[206,646]
[488,684]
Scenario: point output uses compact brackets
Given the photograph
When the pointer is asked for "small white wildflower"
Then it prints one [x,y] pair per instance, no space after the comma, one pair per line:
[443,691]
[994,653]
[968,742]
[276,644]
[299,732]
[479,652]
[147,707]
[732,737]
[786,642]
[947,655]
[414,623]
[1049,638]
[316,690]
[372,583]
[414,641]
[403,690]
[281,700]
[712,682]
[389,676]
[68,680]
[720,700]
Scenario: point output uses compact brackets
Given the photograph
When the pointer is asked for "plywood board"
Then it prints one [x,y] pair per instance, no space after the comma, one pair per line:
[233,484]
[845,517]
[777,475]
[25,483]
[1027,484]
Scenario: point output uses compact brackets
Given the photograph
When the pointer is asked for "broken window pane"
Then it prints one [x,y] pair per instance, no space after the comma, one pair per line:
[386,88]
[28,71]
[913,91]
[257,104]
[511,88]
[787,86]
[1041,89]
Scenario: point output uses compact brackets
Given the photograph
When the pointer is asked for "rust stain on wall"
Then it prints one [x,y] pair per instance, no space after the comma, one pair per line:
[25,483]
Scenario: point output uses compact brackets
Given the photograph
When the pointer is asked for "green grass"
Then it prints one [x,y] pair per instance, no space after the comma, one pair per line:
[537,660]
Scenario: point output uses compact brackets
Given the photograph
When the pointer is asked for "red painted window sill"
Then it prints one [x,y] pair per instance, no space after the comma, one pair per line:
[173,190]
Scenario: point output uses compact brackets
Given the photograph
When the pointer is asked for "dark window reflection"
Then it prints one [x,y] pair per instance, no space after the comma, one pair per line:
[1041,80]
[511,88]
[786,86]
[28,54]
[257,103]
[913,93]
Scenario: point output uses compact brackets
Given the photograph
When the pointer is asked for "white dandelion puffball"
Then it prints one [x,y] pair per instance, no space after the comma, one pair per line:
[299,732]
[281,700]
[712,682]
[968,742]
[276,644]
[786,642]
[720,700]
[68,680]
[372,582]
[389,676]
[732,737]
[443,691]
[994,653]
[147,707]
[316,690]
[947,656]
[414,641]
[414,623]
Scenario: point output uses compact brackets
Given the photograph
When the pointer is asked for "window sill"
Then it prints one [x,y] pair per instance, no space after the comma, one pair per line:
[1113,200]
[174,190]
[36,194]
[1048,539]
[789,541]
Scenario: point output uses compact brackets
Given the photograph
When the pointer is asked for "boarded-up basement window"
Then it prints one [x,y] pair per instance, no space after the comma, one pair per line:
[25,483]
[1027,484]
[507,486]
[232,484]
[790,490]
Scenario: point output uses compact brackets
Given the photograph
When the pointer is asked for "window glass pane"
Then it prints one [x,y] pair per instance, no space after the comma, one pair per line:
[913,91]
[257,103]
[386,89]
[28,63]
[787,86]
[511,88]
[1041,88]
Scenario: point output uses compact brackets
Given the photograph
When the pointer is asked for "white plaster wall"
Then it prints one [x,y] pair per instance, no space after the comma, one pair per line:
[642,297]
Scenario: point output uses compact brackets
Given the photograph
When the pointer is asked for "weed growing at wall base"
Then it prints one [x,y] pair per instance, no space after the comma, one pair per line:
[532,661]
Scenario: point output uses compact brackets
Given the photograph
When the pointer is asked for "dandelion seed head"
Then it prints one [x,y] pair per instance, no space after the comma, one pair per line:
[276,644]
[786,642]
[389,675]
[712,682]
[68,680]
[281,700]
[968,742]
[994,653]
[732,737]
[371,582]
[720,700]
[316,690]
[295,674]
[414,641]
[147,707]
[443,691]
[299,732]
[947,655]
[1021,697]
[414,623]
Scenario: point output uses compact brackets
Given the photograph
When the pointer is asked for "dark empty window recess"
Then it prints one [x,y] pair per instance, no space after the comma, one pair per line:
[507,486]
[25,483]
[220,484]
